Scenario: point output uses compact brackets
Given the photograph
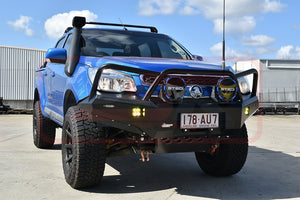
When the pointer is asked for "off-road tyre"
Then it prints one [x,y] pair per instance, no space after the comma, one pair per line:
[83,149]
[43,129]
[229,157]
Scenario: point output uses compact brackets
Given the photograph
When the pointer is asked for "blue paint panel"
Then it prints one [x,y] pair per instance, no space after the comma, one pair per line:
[79,83]
[52,82]
[60,54]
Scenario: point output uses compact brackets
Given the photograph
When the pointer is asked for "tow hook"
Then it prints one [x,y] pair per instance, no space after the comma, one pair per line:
[213,150]
[147,156]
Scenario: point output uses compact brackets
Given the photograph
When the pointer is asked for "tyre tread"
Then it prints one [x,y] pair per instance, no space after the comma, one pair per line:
[45,136]
[230,158]
[89,156]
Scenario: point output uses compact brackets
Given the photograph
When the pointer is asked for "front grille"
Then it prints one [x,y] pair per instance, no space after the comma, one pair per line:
[205,80]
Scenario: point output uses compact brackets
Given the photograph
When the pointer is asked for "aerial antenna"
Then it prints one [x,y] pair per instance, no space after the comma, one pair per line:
[223,50]
[125,29]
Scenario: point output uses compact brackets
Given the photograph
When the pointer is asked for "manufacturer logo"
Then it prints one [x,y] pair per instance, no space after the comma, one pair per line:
[174,89]
[196,92]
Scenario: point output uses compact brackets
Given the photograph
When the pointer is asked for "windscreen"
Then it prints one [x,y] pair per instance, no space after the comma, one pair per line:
[127,43]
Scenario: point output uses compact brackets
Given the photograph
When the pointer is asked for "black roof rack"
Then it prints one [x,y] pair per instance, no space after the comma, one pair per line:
[152,28]
[81,21]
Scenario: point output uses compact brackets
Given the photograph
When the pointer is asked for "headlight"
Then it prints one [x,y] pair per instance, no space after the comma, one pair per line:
[113,81]
[244,86]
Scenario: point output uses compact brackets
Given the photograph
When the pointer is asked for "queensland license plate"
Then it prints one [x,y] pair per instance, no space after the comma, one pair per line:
[199,120]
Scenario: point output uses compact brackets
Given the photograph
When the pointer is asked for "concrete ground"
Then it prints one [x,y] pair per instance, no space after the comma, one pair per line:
[272,170]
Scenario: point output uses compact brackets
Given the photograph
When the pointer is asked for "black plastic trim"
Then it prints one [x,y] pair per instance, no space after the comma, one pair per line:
[152,28]
[74,52]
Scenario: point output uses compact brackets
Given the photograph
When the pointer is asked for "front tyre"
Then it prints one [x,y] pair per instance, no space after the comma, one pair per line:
[43,129]
[230,156]
[83,149]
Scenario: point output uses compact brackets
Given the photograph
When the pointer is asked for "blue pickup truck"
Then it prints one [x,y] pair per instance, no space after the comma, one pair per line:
[116,91]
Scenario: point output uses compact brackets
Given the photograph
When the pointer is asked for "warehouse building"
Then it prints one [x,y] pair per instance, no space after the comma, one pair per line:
[17,66]
[279,82]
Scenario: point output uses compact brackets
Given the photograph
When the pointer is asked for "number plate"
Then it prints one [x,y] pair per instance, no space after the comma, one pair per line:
[199,120]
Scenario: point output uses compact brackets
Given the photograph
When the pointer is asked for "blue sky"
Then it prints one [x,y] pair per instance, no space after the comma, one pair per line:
[255,28]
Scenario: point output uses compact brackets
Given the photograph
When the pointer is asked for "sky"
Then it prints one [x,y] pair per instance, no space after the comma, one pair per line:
[255,29]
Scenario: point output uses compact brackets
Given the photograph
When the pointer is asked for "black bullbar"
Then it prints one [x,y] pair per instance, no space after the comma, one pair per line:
[163,120]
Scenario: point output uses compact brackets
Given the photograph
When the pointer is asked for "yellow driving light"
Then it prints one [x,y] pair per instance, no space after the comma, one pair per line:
[138,112]
[227,89]
[247,110]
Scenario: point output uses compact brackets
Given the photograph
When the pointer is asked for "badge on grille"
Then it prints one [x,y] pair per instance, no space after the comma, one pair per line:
[174,89]
[196,91]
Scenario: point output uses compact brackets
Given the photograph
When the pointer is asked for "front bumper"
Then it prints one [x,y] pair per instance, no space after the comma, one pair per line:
[160,123]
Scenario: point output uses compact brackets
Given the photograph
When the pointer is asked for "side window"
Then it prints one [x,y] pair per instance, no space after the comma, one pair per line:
[171,50]
[68,43]
[60,43]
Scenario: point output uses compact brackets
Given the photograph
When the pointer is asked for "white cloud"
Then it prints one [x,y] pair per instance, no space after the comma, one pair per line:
[256,47]
[56,25]
[156,7]
[296,27]
[22,24]
[235,25]
[233,55]
[212,9]
[239,13]
[240,20]
[217,51]
[264,50]
[257,40]
[189,10]
[273,6]
[288,52]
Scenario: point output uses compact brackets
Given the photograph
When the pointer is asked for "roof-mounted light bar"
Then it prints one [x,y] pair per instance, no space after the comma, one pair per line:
[81,21]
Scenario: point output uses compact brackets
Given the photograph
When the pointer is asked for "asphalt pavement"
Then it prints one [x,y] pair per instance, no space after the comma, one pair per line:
[272,170]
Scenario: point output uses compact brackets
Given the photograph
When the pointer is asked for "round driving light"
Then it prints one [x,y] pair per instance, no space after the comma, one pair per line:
[174,89]
[227,89]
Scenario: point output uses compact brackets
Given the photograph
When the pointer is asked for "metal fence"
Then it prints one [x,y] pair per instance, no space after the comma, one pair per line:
[17,66]
[287,95]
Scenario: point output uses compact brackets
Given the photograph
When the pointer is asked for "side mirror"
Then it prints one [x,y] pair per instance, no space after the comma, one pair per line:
[56,55]
[199,58]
